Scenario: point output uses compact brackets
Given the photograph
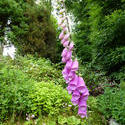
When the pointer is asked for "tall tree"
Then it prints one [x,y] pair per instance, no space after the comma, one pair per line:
[32,28]
[100,34]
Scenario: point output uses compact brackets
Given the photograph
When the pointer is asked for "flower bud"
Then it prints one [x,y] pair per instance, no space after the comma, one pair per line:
[66,43]
[61,36]
[71,46]
[66,37]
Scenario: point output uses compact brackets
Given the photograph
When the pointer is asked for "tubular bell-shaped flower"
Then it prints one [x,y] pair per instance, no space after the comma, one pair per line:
[73,83]
[68,56]
[75,65]
[76,95]
[74,102]
[66,37]
[66,43]
[76,84]
[63,25]
[69,89]
[82,111]
[69,64]
[71,46]
[61,36]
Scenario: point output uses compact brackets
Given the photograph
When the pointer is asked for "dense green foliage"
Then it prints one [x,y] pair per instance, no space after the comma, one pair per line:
[50,98]
[112,104]
[99,34]
[21,94]
[34,86]
[31,27]
[39,69]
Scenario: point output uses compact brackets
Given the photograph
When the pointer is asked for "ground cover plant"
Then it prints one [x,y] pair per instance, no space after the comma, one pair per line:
[113,101]
[23,96]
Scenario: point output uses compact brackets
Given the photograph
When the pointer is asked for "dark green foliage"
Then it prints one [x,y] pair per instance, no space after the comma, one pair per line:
[95,79]
[21,93]
[32,29]
[49,99]
[99,34]
[14,90]
[38,69]
[28,86]
[112,104]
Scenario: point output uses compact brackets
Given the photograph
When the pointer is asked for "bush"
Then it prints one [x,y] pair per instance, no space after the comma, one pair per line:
[32,29]
[21,92]
[94,78]
[94,116]
[14,89]
[38,69]
[49,99]
[112,104]
[99,34]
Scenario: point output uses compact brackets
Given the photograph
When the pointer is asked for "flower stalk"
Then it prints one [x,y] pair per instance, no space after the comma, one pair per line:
[76,85]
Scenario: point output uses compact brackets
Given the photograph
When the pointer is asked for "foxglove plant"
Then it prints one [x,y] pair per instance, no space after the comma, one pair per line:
[76,85]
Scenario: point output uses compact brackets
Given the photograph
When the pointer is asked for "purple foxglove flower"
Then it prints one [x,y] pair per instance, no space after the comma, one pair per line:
[72,86]
[86,92]
[76,85]
[65,71]
[85,98]
[65,29]
[71,75]
[71,46]
[66,37]
[83,90]
[67,79]
[75,65]
[81,82]
[68,55]
[74,102]
[63,25]
[69,64]
[76,95]
[82,111]
[81,85]
[65,51]
[63,41]
[73,83]
[61,36]
[64,60]
[69,90]
[66,43]
[82,102]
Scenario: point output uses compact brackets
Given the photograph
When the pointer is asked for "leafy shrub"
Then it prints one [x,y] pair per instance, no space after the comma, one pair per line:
[94,116]
[19,85]
[99,34]
[49,99]
[32,29]
[110,45]
[14,89]
[112,104]
[22,93]
[94,78]
[38,69]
